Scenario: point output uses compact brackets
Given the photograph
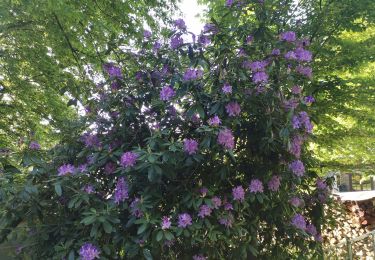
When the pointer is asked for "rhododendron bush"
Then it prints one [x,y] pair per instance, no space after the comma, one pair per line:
[191,147]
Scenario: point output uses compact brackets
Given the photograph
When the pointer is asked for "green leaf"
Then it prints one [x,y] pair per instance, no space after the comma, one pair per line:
[107,227]
[147,254]
[159,236]
[142,228]
[71,255]
[58,189]
[89,220]
[168,235]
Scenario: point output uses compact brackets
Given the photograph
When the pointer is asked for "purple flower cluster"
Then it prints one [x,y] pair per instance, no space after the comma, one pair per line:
[121,190]
[229,3]
[204,40]
[176,42]
[128,159]
[296,202]
[256,186]
[275,52]
[34,145]
[204,211]
[308,100]
[166,93]
[193,74]
[260,77]
[257,66]
[305,71]
[320,184]
[184,220]
[288,36]
[166,223]
[66,169]
[274,183]
[249,39]
[112,70]
[311,229]
[89,189]
[303,55]
[227,89]
[180,24]
[190,146]
[210,28]
[135,209]
[226,138]
[297,168]
[216,202]
[233,108]
[89,252]
[299,221]
[227,221]
[90,140]
[290,55]
[147,34]
[295,146]
[302,119]
[238,193]
[214,121]
[296,90]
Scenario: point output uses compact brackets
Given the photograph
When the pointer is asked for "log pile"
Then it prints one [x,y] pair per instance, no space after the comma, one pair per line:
[352,219]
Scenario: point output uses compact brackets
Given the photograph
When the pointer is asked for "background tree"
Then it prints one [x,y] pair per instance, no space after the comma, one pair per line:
[49,51]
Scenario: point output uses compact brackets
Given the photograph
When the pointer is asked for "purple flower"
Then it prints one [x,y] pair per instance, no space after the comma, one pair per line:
[291,103]
[204,40]
[199,257]
[176,42]
[204,211]
[135,208]
[184,220]
[227,221]
[89,252]
[216,202]
[296,90]
[238,193]
[91,140]
[256,66]
[110,168]
[309,100]
[227,89]
[296,123]
[89,189]
[229,3]
[242,53]
[166,223]
[305,119]
[256,186]
[311,229]
[147,34]
[214,121]
[275,52]
[66,169]
[303,55]
[274,183]
[306,71]
[203,191]
[128,159]
[82,168]
[192,74]
[228,206]
[190,146]
[233,109]
[121,190]
[297,168]
[34,145]
[295,146]
[156,46]
[166,93]
[320,184]
[290,55]
[210,28]
[226,138]
[299,221]
[180,24]
[112,70]
[288,36]
[249,39]
[296,202]
[260,77]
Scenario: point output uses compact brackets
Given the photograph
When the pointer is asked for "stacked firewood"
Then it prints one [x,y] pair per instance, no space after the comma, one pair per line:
[352,220]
